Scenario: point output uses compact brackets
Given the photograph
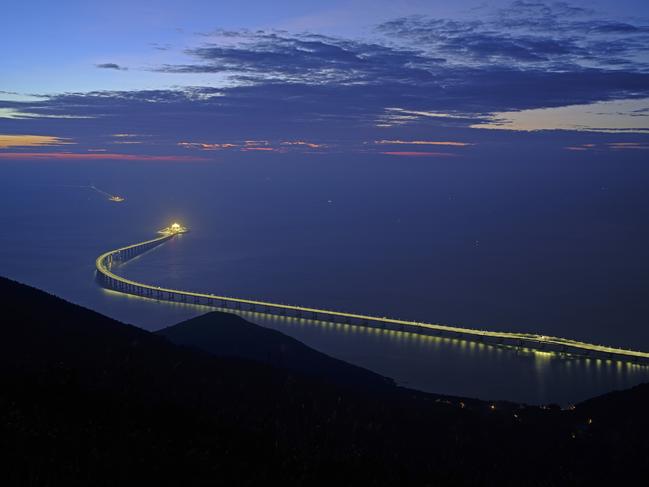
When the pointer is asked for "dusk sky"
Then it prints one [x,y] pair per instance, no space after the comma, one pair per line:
[171,81]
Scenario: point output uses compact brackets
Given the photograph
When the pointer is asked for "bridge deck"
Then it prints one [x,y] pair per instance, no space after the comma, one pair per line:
[112,281]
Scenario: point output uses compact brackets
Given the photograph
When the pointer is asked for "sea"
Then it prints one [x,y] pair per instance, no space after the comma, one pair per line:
[557,247]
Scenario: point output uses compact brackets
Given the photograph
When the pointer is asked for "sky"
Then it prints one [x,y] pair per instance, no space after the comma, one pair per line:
[165,81]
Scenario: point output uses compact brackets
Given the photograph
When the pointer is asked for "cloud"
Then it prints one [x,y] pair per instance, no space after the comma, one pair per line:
[528,55]
[628,145]
[310,58]
[608,116]
[339,116]
[418,154]
[19,114]
[23,140]
[423,142]
[554,35]
[302,143]
[111,66]
[93,156]
[615,146]
[253,145]
[160,47]
[206,146]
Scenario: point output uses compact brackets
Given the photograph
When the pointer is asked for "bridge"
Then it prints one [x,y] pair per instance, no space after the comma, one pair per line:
[107,261]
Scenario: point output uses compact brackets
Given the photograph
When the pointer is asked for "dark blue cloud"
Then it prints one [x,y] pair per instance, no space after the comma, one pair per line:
[525,41]
[325,112]
[551,35]
[307,58]
[111,66]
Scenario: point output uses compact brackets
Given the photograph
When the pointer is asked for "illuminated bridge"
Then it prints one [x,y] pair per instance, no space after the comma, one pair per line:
[107,261]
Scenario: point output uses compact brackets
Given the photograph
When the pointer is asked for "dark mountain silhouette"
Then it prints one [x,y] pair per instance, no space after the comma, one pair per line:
[86,400]
[229,335]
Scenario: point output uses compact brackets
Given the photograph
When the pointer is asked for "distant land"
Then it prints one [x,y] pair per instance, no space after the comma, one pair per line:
[86,400]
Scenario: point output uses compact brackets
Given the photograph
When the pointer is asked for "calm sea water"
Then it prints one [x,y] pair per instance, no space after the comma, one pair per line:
[560,249]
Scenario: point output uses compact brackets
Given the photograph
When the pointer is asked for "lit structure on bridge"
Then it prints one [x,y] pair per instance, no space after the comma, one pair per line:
[174,229]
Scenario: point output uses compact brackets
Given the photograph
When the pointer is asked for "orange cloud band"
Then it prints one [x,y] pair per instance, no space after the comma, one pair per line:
[24,140]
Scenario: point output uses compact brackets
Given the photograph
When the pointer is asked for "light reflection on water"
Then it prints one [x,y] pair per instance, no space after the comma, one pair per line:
[460,367]
[446,365]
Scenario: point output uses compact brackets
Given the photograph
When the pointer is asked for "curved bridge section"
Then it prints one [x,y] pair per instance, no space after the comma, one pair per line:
[107,261]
